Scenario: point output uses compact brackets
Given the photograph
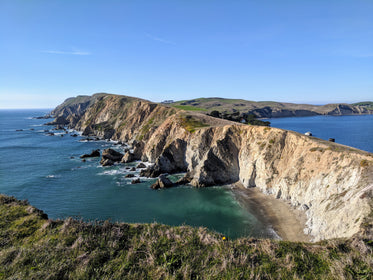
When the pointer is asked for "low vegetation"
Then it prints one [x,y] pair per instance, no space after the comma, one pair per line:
[189,108]
[238,117]
[34,247]
[190,123]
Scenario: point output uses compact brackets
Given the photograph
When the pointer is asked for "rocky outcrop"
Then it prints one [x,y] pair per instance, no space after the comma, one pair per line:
[128,157]
[59,121]
[162,183]
[332,183]
[110,156]
[94,153]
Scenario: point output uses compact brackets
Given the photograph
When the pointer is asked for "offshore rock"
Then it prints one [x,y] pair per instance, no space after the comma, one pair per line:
[111,155]
[141,165]
[94,153]
[128,157]
[59,121]
[162,183]
[106,162]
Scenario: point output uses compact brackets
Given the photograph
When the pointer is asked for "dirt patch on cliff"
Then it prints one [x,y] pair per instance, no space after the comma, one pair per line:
[287,222]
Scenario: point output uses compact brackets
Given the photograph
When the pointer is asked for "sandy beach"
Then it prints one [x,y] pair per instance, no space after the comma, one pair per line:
[286,221]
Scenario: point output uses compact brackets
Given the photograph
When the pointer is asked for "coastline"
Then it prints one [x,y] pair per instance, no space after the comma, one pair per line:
[287,222]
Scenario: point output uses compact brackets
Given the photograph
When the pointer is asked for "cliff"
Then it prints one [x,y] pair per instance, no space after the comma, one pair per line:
[332,183]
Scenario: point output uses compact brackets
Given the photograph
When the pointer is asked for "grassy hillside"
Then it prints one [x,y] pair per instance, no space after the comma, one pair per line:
[33,247]
[234,105]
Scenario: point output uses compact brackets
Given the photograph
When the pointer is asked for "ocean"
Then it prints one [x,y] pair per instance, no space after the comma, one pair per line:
[47,171]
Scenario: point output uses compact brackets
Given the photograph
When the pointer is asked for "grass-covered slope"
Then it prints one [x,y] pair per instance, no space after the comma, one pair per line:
[33,247]
[270,109]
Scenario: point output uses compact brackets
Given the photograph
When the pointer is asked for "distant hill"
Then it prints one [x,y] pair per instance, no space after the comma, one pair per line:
[271,109]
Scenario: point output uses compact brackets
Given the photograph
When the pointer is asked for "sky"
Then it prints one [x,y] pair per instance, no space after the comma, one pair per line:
[316,52]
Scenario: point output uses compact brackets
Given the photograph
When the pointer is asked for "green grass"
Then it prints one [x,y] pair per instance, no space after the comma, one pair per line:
[33,247]
[191,124]
[189,108]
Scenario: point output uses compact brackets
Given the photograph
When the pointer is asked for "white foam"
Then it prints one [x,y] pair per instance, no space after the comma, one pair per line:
[53,176]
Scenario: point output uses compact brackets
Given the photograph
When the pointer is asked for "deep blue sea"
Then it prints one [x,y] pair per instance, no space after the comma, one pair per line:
[355,131]
[47,171]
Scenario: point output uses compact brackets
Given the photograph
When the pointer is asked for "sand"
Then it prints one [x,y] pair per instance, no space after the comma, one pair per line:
[286,221]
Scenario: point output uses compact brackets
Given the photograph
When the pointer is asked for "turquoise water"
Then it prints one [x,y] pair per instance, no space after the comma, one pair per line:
[47,171]
[355,131]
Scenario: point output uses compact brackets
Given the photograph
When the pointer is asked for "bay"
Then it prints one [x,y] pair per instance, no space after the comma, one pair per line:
[47,171]
[355,131]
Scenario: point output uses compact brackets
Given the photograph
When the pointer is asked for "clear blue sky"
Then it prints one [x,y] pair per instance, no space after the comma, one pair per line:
[314,51]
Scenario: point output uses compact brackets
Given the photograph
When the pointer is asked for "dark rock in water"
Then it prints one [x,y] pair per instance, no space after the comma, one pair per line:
[129,175]
[59,121]
[128,157]
[112,155]
[133,169]
[97,139]
[138,148]
[94,153]
[71,157]
[43,117]
[61,135]
[32,128]
[128,168]
[184,181]
[151,171]
[19,129]
[331,139]
[136,181]
[50,133]
[60,127]
[162,183]
[83,160]
[141,165]
[74,135]
[46,130]
[106,162]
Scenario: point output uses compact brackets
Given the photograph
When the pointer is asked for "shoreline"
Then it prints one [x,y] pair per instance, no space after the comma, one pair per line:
[287,222]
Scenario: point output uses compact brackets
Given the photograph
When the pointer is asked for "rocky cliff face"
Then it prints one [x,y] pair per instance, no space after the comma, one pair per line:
[331,182]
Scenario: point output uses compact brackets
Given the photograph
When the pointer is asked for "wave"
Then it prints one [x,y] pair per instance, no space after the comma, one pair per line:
[52,176]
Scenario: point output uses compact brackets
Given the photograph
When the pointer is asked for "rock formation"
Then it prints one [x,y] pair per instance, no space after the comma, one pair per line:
[162,183]
[110,156]
[332,183]
[94,153]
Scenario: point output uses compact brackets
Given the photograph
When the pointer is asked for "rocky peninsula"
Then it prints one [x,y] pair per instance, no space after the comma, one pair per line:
[331,183]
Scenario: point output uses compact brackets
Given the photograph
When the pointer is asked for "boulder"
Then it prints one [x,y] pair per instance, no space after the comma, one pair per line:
[141,165]
[94,153]
[106,162]
[162,183]
[129,175]
[111,154]
[136,181]
[128,157]
[133,169]
[60,127]
[59,121]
